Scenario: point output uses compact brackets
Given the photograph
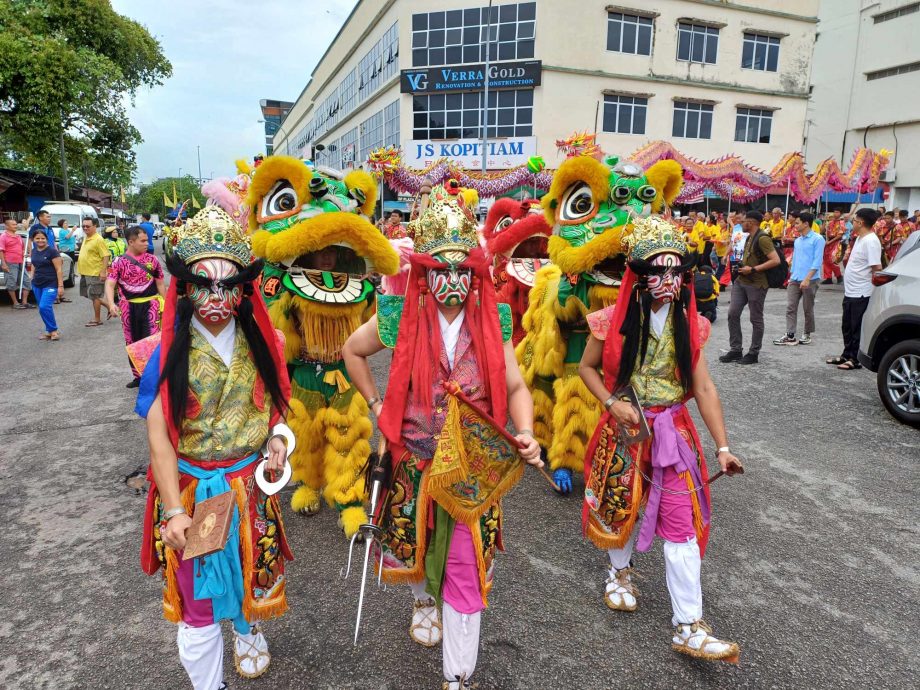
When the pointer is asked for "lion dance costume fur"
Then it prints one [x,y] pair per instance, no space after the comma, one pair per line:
[516,233]
[590,205]
[311,227]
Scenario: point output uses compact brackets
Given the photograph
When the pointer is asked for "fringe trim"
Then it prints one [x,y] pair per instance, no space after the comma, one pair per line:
[404,576]
[470,516]
[172,601]
[485,586]
[603,539]
[322,328]
[255,609]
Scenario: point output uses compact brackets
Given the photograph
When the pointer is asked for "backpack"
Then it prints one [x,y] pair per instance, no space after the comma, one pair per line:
[702,285]
[776,276]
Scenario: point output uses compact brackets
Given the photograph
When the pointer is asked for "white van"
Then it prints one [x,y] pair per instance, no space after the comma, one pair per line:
[73,213]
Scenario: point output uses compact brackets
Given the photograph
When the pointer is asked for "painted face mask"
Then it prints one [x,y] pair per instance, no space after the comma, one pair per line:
[450,286]
[665,286]
[215,304]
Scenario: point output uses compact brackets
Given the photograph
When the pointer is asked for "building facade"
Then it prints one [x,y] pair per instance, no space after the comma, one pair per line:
[273,112]
[868,56]
[714,77]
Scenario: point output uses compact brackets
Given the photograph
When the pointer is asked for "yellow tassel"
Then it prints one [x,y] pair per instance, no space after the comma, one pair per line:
[323,327]
[450,443]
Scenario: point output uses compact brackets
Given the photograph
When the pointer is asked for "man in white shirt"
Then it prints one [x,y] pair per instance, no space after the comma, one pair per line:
[865,259]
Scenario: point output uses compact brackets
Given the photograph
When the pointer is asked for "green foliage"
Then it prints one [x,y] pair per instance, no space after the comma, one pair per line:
[71,64]
[149,198]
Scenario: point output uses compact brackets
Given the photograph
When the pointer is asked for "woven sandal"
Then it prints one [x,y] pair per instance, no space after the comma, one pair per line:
[426,624]
[620,589]
[693,639]
[251,657]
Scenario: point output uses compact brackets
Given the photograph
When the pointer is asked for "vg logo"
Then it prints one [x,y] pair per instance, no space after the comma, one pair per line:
[418,81]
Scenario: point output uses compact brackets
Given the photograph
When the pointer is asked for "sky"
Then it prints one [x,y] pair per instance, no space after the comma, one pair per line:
[226,56]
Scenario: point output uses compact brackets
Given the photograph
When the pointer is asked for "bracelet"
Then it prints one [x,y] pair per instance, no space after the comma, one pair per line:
[526,432]
[723,449]
[609,401]
[373,401]
[172,512]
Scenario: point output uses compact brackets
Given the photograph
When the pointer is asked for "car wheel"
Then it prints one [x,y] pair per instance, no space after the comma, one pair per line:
[69,283]
[898,381]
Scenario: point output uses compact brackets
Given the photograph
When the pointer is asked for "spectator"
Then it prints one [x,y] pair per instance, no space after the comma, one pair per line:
[43,224]
[93,267]
[807,257]
[722,242]
[11,261]
[775,224]
[47,280]
[141,291]
[865,259]
[750,289]
[148,228]
[393,228]
[66,244]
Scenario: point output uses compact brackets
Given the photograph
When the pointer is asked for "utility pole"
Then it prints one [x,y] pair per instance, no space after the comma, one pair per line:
[64,163]
[199,165]
[485,92]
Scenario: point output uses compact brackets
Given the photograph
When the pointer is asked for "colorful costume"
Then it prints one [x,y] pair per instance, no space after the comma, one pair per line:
[442,520]
[220,408]
[296,214]
[833,236]
[654,353]
[516,235]
[138,297]
[589,206]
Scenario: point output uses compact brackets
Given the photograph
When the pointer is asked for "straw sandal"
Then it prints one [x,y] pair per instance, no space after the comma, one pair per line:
[695,639]
[251,656]
[620,593]
[426,625]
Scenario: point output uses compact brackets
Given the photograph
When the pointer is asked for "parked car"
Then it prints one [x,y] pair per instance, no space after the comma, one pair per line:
[74,214]
[68,270]
[889,343]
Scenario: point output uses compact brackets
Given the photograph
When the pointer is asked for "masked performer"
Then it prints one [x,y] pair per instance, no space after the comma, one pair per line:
[589,205]
[312,228]
[440,539]
[516,235]
[652,340]
[214,393]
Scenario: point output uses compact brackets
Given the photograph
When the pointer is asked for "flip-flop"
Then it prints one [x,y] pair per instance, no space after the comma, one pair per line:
[54,337]
[849,365]
[835,360]
[91,324]
[45,336]
[64,299]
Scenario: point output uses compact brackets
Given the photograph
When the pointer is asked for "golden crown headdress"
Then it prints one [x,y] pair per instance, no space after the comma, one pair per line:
[212,233]
[446,227]
[653,235]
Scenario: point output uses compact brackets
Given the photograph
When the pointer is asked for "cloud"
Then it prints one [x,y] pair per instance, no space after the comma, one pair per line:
[226,56]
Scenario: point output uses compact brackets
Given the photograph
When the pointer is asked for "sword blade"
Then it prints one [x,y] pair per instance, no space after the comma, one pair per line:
[369,542]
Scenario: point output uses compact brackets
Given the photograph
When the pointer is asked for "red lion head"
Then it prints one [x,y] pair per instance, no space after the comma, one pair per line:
[516,234]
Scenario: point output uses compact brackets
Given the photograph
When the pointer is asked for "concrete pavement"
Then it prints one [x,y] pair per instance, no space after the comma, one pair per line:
[812,565]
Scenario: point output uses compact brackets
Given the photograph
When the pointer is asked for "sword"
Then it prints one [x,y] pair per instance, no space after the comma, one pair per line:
[370,532]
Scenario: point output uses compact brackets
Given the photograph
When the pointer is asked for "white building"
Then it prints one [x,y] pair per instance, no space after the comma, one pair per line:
[712,76]
[866,89]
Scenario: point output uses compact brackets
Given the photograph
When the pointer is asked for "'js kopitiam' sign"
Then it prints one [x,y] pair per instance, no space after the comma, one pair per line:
[468,153]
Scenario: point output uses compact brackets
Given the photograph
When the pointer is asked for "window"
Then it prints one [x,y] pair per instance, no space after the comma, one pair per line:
[760,52]
[458,37]
[625,114]
[898,12]
[753,125]
[379,64]
[629,33]
[371,132]
[458,115]
[893,71]
[697,43]
[692,120]
[391,124]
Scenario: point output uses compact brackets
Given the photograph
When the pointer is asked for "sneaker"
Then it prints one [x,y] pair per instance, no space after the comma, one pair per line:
[827,281]
[730,356]
[788,339]
[749,358]
[134,383]
[805,340]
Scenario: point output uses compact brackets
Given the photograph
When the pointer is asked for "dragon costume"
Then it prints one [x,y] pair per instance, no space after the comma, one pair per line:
[589,206]
[516,234]
[311,228]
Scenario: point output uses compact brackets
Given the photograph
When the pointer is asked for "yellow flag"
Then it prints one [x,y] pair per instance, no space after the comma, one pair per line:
[195,203]
[166,201]
[122,194]
[175,196]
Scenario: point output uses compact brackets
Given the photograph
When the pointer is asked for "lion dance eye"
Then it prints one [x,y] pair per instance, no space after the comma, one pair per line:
[280,201]
[621,194]
[503,224]
[577,202]
[647,193]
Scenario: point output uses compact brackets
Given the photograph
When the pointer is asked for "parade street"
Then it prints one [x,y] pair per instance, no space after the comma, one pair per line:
[812,565]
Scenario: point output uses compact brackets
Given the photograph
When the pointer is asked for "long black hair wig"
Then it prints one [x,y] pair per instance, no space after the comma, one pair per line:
[175,369]
[637,323]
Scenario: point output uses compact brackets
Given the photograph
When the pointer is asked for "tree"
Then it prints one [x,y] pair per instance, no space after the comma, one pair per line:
[68,65]
[149,198]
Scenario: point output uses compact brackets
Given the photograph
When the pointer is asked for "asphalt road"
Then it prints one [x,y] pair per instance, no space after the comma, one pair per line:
[812,565]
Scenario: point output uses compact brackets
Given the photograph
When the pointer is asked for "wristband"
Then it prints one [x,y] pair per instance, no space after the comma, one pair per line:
[172,512]
[723,449]
[373,401]
[609,401]
[526,432]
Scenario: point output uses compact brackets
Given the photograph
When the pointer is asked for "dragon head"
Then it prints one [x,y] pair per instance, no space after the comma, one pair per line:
[516,235]
[312,225]
[591,203]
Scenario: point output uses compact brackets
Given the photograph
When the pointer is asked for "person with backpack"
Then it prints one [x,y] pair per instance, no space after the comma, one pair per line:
[706,288]
[750,289]
[807,257]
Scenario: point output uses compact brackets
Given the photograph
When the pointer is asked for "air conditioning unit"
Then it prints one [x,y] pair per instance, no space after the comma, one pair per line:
[888,175]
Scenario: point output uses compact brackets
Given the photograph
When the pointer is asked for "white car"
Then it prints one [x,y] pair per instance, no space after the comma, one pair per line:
[889,343]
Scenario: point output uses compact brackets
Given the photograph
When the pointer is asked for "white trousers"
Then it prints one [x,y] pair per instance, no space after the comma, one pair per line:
[418,590]
[682,565]
[201,651]
[460,645]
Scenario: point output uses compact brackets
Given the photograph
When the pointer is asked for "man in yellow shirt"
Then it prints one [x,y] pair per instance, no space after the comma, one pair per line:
[93,267]
[775,224]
